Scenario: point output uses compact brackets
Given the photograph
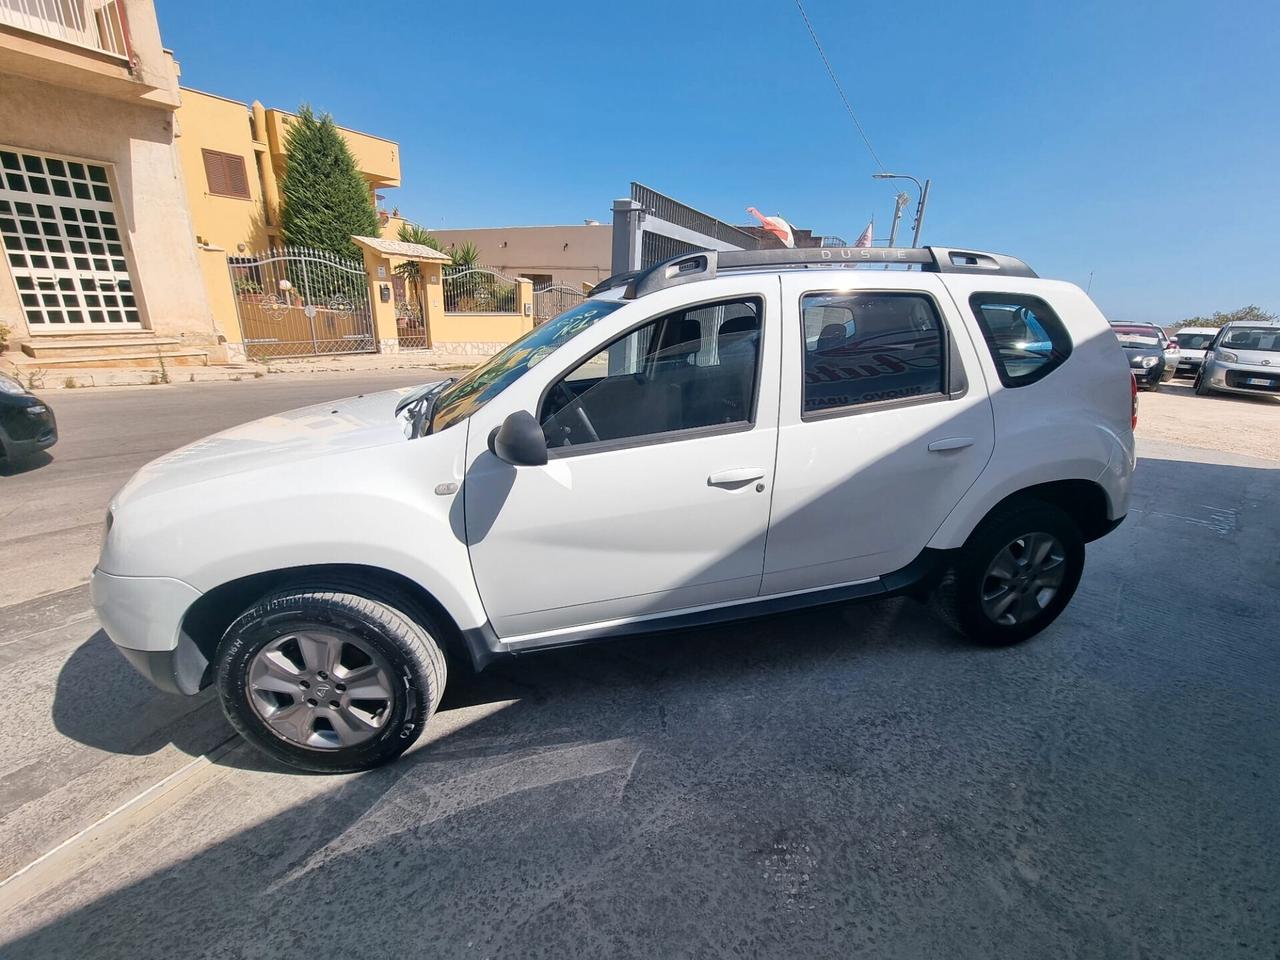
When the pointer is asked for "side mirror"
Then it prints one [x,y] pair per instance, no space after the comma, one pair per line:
[519,441]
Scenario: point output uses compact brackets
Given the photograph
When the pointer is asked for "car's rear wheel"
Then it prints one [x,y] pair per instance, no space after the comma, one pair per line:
[1014,575]
[330,680]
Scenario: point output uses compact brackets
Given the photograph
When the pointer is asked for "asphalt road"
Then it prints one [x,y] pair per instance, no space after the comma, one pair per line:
[854,781]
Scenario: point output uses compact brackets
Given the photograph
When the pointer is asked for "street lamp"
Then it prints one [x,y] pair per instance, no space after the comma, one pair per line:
[900,201]
[924,198]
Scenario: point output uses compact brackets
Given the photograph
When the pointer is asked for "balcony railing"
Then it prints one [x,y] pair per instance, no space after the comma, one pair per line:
[95,24]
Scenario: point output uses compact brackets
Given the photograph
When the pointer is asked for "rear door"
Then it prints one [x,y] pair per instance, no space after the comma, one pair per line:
[884,424]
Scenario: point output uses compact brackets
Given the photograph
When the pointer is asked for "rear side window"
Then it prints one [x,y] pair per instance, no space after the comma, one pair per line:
[862,348]
[1026,339]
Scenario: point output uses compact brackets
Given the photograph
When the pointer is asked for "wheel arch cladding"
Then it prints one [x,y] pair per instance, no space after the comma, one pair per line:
[1085,501]
[207,620]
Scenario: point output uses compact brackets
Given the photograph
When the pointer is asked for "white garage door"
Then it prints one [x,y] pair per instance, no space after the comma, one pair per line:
[62,240]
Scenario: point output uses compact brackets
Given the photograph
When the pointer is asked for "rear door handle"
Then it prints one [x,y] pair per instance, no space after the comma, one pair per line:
[951,443]
[735,477]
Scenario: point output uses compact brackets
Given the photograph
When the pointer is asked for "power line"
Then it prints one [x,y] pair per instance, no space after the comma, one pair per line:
[839,89]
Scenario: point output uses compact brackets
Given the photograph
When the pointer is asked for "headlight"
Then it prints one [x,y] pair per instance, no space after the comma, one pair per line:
[12,387]
[1149,362]
[1226,355]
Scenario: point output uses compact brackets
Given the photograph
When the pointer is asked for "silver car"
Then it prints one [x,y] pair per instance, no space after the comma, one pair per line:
[1243,358]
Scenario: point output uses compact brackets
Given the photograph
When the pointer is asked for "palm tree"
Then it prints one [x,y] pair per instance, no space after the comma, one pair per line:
[412,233]
[465,257]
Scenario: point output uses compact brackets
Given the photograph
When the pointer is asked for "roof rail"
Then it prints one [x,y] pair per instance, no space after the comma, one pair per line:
[705,264]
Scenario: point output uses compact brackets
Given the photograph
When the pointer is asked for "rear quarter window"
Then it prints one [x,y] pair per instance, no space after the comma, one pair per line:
[1027,340]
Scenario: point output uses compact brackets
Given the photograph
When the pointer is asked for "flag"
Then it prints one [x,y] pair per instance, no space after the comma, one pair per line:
[867,234]
[775,225]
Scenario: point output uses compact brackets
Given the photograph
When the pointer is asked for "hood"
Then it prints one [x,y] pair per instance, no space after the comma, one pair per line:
[339,426]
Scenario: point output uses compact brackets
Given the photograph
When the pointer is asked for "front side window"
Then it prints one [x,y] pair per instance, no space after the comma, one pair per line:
[695,368]
[867,347]
[1026,339]
[471,392]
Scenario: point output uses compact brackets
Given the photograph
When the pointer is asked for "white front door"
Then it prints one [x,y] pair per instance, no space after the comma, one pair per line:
[656,495]
[880,434]
[64,244]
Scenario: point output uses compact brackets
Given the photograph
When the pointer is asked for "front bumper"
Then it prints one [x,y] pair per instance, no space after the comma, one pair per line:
[143,617]
[26,429]
[1147,376]
[1235,377]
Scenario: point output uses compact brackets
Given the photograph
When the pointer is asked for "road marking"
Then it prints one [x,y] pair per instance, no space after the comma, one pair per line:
[44,868]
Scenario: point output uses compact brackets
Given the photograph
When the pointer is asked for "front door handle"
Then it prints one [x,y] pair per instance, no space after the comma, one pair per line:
[951,443]
[735,477]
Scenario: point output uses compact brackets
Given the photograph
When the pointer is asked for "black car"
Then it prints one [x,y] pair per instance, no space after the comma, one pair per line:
[1145,349]
[26,422]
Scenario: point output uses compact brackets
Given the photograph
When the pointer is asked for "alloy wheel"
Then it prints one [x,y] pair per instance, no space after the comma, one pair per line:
[1023,578]
[321,690]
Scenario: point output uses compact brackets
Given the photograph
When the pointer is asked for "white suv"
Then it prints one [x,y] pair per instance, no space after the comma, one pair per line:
[720,436]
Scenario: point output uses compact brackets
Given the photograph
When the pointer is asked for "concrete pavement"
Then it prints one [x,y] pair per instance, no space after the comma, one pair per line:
[850,781]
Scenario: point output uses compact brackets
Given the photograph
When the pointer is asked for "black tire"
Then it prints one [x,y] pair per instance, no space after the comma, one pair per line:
[1154,385]
[1202,387]
[958,598]
[406,643]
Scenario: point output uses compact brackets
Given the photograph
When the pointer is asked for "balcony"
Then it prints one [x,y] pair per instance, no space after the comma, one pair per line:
[97,25]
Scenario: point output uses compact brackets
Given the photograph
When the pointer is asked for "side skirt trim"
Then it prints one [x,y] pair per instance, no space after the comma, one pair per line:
[485,645]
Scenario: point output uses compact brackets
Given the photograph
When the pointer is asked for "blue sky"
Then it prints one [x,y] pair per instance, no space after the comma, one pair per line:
[1121,138]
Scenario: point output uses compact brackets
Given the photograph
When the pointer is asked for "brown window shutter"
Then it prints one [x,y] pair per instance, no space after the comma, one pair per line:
[237,180]
[214,171]
[225,174]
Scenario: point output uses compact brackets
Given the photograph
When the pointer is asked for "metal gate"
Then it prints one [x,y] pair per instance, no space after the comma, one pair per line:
[553,299]
[296,302]
[411,320]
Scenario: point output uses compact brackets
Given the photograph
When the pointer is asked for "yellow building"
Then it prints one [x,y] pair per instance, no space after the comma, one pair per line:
[233,157]
[98,258]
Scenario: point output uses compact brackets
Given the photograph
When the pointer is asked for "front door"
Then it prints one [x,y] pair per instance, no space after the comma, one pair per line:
[656,494]
[884,424]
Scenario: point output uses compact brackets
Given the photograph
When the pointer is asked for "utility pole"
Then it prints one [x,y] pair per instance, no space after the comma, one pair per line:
[924,198]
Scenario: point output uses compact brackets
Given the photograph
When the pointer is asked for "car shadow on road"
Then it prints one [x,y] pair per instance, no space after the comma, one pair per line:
[559,764]
[133,718]
[1185,387]
[103,703]
[27,464]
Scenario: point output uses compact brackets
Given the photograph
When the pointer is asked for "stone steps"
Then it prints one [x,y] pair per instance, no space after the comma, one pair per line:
[124,349]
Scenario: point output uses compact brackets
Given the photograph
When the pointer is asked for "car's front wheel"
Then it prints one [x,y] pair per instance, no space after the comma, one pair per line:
[329,680]
[1014,575]
[1202,387]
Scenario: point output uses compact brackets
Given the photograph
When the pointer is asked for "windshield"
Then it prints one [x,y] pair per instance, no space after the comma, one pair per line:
[463,398]
[1266,339]
[1194,341]
[1137,337]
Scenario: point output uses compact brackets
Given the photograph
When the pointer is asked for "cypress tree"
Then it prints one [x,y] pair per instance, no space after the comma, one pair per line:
[325,200]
